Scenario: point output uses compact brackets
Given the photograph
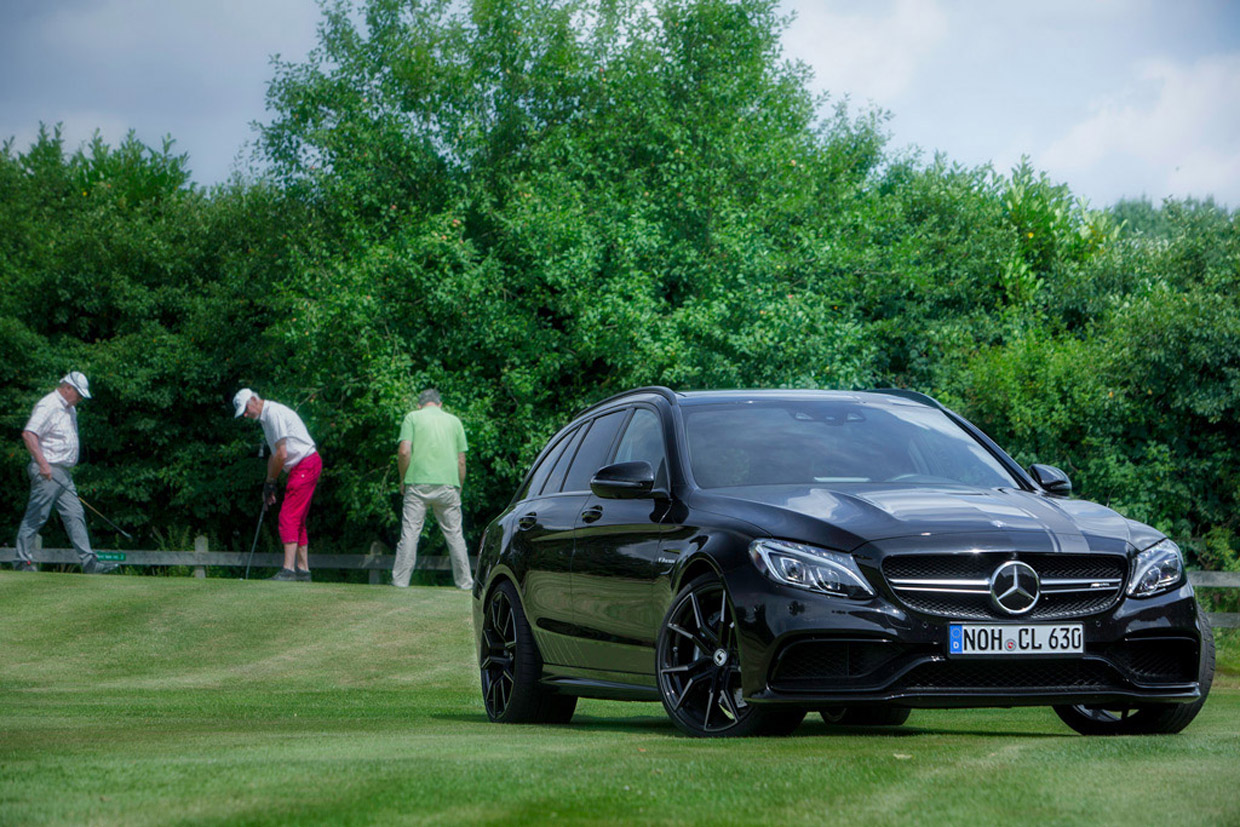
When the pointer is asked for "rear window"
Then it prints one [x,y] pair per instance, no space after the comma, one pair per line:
[833,442]
[594,450]
[534,484]
[556,478]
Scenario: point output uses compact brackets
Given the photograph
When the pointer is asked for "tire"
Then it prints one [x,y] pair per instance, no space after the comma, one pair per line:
[699,670]
[511,666]
[865,715]
[1145,719]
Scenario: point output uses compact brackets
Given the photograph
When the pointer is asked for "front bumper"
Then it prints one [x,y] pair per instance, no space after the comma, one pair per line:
[802,648]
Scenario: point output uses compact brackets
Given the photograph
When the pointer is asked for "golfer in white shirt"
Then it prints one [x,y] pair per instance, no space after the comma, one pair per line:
[51,437]
[292,451]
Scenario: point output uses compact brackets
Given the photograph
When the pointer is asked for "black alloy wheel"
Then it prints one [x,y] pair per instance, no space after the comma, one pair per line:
[512,667]
[1145,719]
[699,669]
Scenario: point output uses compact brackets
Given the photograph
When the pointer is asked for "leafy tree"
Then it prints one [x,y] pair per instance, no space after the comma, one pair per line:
[534,205]
[622,194]
[1141,404]
[115,265]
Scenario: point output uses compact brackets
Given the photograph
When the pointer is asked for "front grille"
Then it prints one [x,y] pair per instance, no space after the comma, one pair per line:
[957,585]
[828,665]
[1157,660]
[1049,675]
[821,664]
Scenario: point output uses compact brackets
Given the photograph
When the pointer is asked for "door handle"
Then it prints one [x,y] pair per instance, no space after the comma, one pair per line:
[527,521]
[592,513]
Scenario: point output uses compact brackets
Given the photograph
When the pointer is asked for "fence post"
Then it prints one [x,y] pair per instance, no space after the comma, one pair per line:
[377,548]
[200,547]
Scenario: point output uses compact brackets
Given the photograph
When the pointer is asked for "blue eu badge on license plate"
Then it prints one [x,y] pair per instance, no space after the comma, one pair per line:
[955,645]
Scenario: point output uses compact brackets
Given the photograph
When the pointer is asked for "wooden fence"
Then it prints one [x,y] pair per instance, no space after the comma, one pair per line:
[376,561]
[1218,580]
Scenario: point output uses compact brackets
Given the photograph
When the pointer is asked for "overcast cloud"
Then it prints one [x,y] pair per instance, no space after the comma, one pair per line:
[1117,99]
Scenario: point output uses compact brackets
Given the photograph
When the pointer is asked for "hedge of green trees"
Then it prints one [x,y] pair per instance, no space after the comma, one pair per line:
[533,205]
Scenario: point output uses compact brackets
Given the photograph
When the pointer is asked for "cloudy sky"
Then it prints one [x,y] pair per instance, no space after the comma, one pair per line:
[1117,98]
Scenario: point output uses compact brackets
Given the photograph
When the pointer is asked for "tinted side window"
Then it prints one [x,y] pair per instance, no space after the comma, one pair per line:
[556,477]
[594,450]
[539,475]
[643,439]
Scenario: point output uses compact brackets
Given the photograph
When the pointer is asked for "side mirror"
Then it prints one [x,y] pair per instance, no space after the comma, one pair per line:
[624,481]
[1052,480]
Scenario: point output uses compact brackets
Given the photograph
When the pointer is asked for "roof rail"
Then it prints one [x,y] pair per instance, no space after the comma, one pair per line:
[915,396]
[666,393]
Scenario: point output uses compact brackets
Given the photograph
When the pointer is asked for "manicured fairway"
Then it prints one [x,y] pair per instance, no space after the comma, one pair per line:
[145,700]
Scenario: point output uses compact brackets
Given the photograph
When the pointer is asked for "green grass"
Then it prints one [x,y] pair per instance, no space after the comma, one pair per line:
[135,701]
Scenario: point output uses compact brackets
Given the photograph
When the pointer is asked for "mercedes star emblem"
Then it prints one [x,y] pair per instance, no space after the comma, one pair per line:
[1014,587]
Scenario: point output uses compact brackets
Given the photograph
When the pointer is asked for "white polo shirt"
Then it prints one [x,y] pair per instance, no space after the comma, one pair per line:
[54,422]
[281,422]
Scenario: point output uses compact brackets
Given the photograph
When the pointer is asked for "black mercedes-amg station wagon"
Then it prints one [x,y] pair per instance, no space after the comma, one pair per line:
[746,557]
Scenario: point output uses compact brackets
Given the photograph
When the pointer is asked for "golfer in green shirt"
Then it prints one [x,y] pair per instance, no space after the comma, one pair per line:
[431,457]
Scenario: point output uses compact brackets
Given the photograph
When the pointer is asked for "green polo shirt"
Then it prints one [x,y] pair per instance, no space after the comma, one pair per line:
[435,438]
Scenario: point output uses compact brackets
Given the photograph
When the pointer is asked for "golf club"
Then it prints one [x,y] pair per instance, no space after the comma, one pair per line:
[254,545]
[128,536]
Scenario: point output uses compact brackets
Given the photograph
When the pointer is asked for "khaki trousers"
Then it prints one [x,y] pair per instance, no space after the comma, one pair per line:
[61,493]
[445,500]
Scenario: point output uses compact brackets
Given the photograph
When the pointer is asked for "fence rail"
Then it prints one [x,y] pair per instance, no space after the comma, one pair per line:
[1218,580]
[376,562]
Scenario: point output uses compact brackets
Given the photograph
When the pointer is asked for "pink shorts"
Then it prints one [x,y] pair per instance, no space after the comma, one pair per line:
[297,495]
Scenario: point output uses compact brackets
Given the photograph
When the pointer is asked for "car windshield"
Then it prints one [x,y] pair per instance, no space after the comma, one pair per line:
[785,442]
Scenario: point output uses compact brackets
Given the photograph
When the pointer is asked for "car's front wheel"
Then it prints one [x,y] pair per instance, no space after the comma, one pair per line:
[699,669]
[511,666]
[1145,719]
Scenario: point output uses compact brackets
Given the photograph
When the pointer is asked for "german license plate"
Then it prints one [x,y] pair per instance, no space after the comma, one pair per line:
[1008,639]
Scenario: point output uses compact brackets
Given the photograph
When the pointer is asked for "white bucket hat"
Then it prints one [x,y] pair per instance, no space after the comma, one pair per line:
[78,381]
[240,401]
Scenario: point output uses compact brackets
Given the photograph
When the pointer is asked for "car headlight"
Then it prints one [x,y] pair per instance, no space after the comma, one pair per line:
[810,568]
[1157,569]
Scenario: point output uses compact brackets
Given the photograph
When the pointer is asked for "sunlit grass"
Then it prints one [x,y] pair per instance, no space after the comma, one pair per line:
[159,700]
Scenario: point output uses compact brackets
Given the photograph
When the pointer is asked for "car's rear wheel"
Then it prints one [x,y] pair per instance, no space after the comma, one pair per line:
[512,667]
[873,715]
[699,669]
[1145,719]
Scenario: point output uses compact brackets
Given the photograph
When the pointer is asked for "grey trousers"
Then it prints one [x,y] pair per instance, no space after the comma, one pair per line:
[446,502]
[59,491]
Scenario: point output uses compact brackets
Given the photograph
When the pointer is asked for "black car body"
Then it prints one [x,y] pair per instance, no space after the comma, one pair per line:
[748,556]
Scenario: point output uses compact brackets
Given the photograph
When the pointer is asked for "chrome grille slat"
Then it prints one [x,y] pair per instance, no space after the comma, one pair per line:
[926,584]
[942,590]
[1061,585]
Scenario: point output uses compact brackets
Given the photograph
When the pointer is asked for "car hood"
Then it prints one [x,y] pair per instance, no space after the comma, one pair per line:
[850,515]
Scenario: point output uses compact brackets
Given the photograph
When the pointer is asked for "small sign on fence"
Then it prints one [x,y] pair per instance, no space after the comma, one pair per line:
[111,556]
